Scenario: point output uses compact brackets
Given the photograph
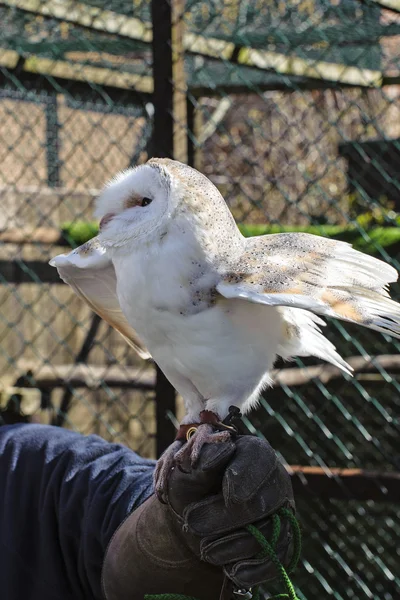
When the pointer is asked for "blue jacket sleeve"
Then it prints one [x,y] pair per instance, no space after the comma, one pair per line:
[62,496]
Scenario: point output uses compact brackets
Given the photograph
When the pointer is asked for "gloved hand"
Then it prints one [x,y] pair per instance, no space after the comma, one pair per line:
[186,546]
[252,486]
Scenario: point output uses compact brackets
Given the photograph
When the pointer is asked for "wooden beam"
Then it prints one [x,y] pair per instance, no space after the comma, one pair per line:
[79,72]
[85,15]
[85,376]
[326,372]
[8,58]
[111,22]
[179,98]
[393,5]
[32,87]
[53,162]
[84,79]
[291,377]
[345,484]
[195,126]
[314,69]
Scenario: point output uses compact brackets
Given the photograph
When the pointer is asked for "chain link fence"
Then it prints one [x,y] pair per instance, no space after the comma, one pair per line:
[293,110]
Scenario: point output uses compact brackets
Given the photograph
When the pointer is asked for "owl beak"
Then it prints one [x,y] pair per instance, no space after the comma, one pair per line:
[105,220]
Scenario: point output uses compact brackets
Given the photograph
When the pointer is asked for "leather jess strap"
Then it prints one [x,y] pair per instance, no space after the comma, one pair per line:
[207,417]
[186,431]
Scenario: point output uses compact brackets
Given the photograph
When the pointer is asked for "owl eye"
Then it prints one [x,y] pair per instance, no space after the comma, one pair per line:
[146,201]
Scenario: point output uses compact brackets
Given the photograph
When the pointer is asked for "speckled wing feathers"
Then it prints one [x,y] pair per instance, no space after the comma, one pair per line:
[90,273]
[324,276]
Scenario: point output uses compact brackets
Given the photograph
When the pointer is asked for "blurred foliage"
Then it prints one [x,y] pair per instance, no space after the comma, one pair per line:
[79,232]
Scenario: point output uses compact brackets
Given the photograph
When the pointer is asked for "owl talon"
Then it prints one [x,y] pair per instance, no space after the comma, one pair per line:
[163,467]
[206,436]
[185,450]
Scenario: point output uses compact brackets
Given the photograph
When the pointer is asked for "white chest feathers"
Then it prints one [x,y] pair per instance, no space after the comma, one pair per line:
[161,282]
[189,329]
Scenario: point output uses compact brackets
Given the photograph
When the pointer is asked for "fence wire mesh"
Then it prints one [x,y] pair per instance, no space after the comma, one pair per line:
[293,110]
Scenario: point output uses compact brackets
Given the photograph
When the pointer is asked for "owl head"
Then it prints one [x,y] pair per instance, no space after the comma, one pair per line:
[146,201]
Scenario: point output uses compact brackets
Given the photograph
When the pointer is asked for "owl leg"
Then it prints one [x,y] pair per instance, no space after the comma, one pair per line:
[215,427]
[204,434]
[186,448]
[210,431]
[194,403]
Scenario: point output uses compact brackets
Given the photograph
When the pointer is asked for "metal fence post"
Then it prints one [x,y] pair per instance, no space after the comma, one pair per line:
[52,141]
[170,141]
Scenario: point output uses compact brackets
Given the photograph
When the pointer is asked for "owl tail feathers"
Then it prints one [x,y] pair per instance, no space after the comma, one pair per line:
[372,308]
[304,338]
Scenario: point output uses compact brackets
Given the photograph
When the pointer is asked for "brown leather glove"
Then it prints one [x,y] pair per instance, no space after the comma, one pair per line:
[187,546]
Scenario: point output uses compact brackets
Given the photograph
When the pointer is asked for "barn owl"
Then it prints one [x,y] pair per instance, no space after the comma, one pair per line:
[172,273]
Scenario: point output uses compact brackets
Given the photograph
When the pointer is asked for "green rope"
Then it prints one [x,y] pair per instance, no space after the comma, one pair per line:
[285,512]
[276,529]
[267,549]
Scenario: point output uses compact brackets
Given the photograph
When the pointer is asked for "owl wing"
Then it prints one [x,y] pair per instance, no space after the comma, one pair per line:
[324,276]
[90,272]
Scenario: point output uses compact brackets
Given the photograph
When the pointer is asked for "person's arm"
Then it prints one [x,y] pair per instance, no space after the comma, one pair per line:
[190,544]
[62,496]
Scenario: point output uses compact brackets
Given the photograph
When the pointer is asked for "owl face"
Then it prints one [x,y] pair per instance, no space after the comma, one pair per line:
[133,205]
[143,203]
